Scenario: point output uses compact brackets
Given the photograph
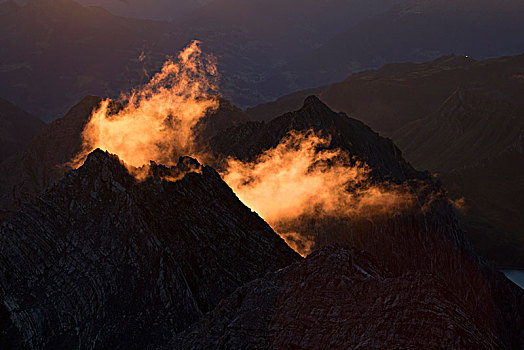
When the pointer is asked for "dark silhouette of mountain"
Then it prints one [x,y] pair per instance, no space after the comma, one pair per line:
[54,52]
[248,140]
[101,260]
[45,160]
[412,31]
[493,193]
[344,299]
[17,128]
[447,115]
[473,139]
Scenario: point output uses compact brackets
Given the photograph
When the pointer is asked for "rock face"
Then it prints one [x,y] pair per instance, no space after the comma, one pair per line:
[17,128]
[339,298]
[104,261]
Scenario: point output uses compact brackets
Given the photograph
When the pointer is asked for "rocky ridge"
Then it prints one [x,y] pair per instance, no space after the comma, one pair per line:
[103,261]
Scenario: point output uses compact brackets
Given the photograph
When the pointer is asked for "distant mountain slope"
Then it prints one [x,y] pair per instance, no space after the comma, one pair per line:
[492,217]
[60,48]
[469,127]
[54,52]
[344,299]
[390,97]
[413,31]
[17,128]
[104,261]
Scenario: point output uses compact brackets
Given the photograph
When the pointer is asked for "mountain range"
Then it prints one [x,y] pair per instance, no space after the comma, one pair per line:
[454,116]
[376,211]
[100,259]
[417,30]
[44,68]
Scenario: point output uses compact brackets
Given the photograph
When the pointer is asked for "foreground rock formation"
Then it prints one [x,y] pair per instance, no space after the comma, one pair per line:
[102,261]
[340,298]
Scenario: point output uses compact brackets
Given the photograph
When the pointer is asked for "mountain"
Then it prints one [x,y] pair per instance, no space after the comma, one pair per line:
[44,161]
[424,241]
[250,139]
[17,128]
[396,94]
[103,260]
[342,298]
[158,254]
[492,214]
[412,31]
[454,116]
[157,9]
[57,51]
[432,211]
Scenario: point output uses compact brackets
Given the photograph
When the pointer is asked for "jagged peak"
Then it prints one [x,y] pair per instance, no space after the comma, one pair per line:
[103,163]
[314,106]
[313,101]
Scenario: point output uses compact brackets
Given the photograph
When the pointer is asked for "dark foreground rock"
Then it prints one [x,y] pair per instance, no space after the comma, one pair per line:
[104,261]
[339,298]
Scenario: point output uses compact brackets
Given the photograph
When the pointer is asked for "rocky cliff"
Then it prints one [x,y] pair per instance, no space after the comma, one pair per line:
[103,261]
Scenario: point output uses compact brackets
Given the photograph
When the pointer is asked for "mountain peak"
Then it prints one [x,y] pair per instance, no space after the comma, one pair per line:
[171,250]
[313,101]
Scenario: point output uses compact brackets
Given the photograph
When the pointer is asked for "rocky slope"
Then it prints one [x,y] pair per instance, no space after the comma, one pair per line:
[104,261]
[17,128]
[340,298]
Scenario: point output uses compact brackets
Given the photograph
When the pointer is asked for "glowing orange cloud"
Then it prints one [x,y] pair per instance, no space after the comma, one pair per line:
[297,179]
[157,120]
